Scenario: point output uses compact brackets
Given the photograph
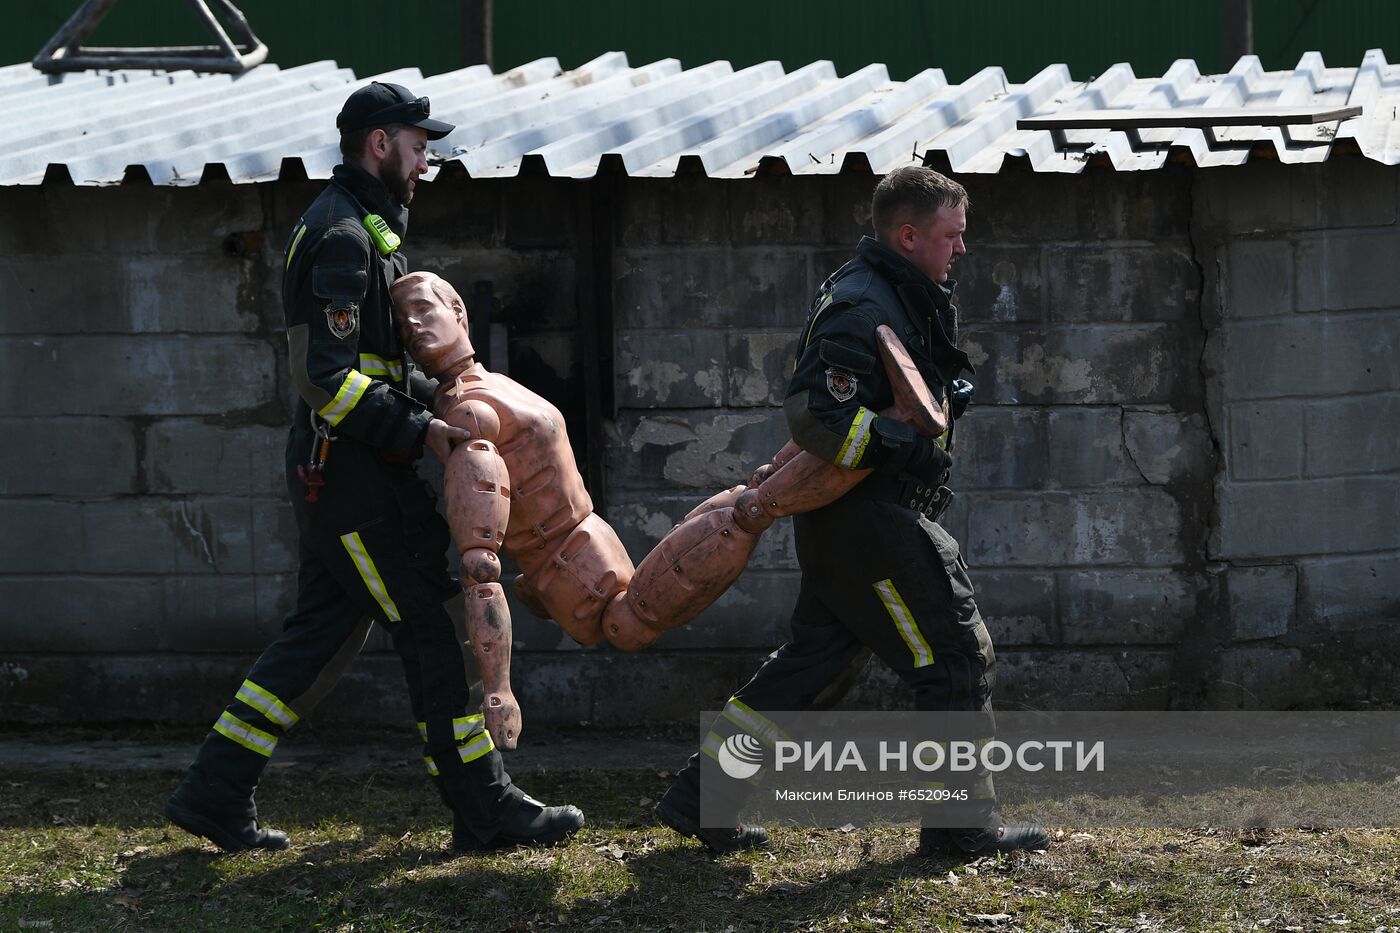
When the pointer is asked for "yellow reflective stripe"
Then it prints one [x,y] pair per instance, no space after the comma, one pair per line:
[267,704]
[904,621]
[235,729]
[760,727]
[475,748]
[432,765]
[856,439]
[295,240]
[346,399]
[370,574]
[462,726]
[372,365]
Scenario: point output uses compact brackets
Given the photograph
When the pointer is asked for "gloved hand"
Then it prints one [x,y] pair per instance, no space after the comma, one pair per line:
[912,453]
[959,397]
[927,462]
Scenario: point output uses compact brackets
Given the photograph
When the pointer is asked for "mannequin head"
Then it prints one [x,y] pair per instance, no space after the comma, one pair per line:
[432,322]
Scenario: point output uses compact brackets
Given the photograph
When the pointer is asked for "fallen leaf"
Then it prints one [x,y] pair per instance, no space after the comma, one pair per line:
[994,920]
[846,828]
[127,901]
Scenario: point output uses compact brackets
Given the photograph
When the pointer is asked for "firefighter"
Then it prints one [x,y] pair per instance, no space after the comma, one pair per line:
[372,545]
[879,574]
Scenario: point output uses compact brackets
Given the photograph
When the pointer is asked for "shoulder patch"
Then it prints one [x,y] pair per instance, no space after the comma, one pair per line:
[841,384]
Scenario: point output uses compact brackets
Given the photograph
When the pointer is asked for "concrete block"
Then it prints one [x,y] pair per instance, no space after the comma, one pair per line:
[68,457]
[133,613]
[183,456]
[775,209]
[692,451]
[1337,355]
[137,375]
[1348,270]
[1083,679]
[540,213]
[609,689]
[642,520]
[1265,440]
[1125,607]
[1263,601]
[1017,605]
[63,612]
[458,213]
[1167,447]
[1147,206]
[1352,594]
[1001,284]
[178,689]
[1321,516]
[754,613]
[1086,448]
[1001,448]
[1351,435]
[1007,208]
[681,211]
[1079,365]
[126,294]
[658,369]
[199,536]
[846,211]
[535,290]
[759,367]
[42,536]
[146,220]
[1260,677]
[1357,192]
[1112,284]
[1262,197]
[1259,278]
[1126,527]
[670,289]
[219,613]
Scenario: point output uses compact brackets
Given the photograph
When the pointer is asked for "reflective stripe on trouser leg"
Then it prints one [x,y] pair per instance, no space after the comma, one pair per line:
[355,547]
[250,737]
[904,621]
[266,703]
[469,734]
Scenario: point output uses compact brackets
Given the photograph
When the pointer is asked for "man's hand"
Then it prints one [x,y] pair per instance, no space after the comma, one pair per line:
[442,437]
[926,461]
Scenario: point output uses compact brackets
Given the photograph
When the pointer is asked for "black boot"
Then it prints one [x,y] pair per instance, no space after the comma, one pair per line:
[532,824]
[231,828]
[720,841]
[972,843]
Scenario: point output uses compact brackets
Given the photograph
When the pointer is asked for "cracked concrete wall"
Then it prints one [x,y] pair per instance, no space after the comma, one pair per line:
[1175,488]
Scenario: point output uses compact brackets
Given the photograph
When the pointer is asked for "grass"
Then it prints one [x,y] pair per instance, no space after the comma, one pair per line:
[88,850]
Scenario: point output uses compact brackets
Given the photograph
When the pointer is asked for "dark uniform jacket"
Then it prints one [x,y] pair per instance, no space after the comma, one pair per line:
[839,383]
[346,358]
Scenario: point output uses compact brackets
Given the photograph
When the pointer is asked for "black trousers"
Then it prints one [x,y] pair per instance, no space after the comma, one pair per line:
[877,579]
[372,548]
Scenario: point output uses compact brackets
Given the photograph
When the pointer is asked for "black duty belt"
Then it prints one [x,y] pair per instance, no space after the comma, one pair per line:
[930,501]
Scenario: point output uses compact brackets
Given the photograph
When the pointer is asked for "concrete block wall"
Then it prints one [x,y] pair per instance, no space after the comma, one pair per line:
[1175,486]
[1305,400]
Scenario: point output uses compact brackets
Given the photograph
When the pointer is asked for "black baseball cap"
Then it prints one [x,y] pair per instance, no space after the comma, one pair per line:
[379,104]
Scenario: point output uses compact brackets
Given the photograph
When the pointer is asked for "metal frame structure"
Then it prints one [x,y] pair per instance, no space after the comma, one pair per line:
[65,52]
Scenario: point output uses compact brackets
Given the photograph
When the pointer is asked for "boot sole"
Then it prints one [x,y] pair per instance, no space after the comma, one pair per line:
[557,837]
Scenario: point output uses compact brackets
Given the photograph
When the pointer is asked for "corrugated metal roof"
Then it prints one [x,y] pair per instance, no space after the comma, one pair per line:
[659,119]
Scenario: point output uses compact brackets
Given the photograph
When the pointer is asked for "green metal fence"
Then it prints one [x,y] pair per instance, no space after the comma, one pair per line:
[1023,36]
